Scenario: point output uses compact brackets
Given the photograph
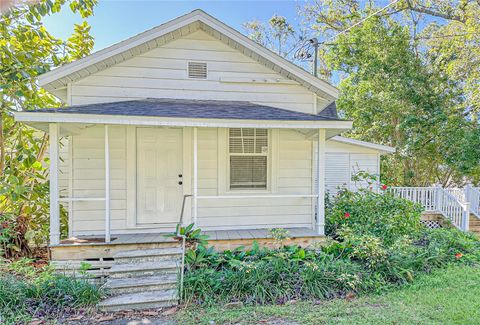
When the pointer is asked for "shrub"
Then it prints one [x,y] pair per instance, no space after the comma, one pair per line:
[27,293]
[270,276]
[377,242]
[381,215]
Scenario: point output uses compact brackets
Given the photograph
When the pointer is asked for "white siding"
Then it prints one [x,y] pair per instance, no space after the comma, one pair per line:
[162,73]
[292,161]
[89,175]
[291,164]
[344,161]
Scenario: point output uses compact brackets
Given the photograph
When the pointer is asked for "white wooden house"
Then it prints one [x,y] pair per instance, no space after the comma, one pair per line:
[193,110]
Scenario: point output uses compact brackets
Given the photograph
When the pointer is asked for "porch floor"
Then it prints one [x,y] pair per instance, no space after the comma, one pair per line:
[214,235]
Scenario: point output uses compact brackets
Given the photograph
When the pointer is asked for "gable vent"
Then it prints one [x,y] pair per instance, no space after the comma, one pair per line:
[197,70]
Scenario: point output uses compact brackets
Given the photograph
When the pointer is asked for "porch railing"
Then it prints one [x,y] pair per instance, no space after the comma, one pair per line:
[453,203]
[426,196]
[473,196]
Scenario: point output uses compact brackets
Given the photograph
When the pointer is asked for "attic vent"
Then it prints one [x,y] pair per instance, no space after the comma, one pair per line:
[197,70]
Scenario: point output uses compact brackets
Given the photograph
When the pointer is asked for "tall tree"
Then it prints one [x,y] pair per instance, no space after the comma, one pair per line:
[27,49]
[410,78]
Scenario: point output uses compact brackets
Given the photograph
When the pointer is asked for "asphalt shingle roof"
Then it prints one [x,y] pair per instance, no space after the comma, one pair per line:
[184,108]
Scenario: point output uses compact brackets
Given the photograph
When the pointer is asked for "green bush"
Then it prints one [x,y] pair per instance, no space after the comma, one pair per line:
[269,276]
[26,293]
[366,212]
[379,243]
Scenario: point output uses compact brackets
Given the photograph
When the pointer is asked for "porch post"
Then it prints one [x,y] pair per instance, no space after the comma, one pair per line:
[54,194]
[320,228]
[107,186]
[195,175]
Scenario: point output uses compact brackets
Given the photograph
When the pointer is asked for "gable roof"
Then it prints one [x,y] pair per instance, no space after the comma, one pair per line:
[186,108]
[57,79]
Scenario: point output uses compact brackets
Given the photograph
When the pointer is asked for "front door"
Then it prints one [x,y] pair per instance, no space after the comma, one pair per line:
[159,175]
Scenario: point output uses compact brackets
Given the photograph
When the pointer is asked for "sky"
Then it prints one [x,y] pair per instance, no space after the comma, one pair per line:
[116,20]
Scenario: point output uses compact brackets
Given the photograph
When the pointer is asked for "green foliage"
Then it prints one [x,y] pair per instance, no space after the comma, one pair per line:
[27,292]
[366,212]
[279,235]
[27,50]
[380,243]
[192,236]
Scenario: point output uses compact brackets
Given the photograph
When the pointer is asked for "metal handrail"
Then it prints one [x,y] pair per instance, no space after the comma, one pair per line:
[180,222]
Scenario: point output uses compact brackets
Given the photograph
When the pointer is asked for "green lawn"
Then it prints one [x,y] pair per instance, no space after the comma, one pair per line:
[450,296]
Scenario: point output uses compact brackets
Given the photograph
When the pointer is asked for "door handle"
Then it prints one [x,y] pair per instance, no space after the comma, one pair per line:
[180,183]
[180,175]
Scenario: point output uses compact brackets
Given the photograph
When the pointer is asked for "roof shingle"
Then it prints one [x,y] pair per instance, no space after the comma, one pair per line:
[202,109]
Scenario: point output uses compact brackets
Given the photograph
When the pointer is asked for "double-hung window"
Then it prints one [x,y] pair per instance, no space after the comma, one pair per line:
[248,158]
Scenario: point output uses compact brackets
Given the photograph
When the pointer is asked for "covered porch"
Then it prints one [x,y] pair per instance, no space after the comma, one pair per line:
[202,197]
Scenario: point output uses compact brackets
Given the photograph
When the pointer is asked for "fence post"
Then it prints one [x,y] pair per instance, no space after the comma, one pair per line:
[467,193]
[438,198]
[466,216]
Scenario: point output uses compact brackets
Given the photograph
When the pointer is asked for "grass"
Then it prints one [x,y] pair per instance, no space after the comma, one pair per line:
[448,296]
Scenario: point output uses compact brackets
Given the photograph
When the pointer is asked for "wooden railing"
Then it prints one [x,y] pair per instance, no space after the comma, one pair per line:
[452,203]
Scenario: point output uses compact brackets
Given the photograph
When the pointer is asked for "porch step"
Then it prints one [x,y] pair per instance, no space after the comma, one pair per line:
[129,270]
[143,278]
[148,255]
[141,300]
[142,284]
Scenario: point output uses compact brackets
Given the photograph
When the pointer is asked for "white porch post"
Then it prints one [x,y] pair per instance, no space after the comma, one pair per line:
[320,227]
[54,194]
[107,186]
[195,175]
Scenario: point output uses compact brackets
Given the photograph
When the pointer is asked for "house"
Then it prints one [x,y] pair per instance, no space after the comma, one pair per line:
[191,118]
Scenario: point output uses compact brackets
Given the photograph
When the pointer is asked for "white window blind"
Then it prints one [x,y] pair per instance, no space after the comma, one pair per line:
[248,158]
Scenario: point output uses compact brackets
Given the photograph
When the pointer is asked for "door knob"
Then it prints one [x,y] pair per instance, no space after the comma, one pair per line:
[180,175]
[180,183]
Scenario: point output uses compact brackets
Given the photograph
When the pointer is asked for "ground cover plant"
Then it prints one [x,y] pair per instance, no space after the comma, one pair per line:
[445,296]
[376,242]
[28,292]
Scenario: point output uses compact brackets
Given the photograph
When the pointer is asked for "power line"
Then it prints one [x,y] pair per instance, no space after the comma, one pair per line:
[361,21]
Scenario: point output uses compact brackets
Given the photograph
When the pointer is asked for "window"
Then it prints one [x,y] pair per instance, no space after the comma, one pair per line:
[248,158]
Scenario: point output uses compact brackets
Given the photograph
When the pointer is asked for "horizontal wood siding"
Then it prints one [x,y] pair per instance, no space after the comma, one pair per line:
[162,73]
[89,179]
[292,175]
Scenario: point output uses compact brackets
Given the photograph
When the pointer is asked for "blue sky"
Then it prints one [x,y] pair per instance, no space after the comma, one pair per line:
[115,20]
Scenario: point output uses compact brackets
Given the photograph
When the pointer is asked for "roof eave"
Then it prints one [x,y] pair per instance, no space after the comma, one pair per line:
[42,117]
[375,146]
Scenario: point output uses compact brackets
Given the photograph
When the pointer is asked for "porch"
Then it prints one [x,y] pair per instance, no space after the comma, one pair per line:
[70,253]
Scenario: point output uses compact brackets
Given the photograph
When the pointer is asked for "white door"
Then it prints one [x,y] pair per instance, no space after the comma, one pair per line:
[159,170]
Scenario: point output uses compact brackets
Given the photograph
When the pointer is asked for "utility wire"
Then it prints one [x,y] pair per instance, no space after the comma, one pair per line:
[361,21]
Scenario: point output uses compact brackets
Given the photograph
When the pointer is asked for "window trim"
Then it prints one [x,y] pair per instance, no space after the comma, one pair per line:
[224,165]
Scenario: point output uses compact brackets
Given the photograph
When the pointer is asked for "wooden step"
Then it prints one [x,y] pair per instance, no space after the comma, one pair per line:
[148,255]
[141,300]
[141,284]
[143,269]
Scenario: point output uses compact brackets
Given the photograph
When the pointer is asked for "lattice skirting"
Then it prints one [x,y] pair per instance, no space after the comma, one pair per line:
[431,224]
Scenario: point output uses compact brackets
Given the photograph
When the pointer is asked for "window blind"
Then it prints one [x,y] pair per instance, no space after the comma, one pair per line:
[248,150]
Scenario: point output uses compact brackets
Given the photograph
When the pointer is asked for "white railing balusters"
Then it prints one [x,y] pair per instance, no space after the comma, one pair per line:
[473,197]
[453,203]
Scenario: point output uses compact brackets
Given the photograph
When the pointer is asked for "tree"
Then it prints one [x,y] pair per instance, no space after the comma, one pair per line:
[27,50]
[278,35]
[396,98]
[409,78]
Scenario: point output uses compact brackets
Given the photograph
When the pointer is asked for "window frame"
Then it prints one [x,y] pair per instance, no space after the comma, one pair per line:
[268,155]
